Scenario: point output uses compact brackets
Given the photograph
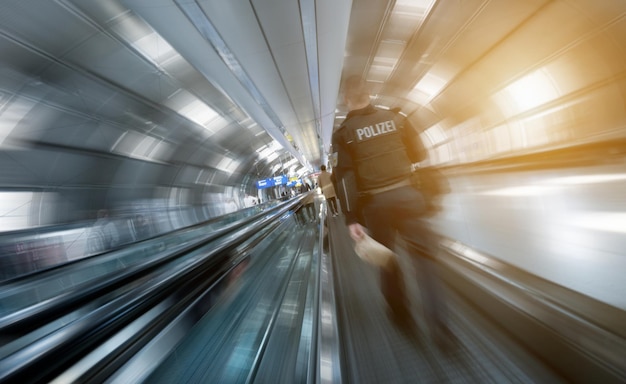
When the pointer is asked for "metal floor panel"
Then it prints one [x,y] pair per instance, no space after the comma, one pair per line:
[223,346]
[376,351]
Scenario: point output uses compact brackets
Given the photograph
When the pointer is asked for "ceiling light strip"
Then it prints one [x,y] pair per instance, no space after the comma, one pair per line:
[309,25]
[199,19]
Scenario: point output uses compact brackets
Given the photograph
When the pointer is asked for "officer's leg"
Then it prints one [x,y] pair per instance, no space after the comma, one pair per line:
[378,220]
[423,247]
[407,206]
[394,291]
[433,301]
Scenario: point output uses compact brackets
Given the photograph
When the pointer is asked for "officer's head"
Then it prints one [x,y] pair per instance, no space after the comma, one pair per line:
[356,92]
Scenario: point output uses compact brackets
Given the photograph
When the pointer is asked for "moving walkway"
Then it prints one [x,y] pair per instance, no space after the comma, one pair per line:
[262,299]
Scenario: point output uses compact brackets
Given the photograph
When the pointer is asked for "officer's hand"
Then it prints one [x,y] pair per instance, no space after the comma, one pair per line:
[433,207]
[357,231]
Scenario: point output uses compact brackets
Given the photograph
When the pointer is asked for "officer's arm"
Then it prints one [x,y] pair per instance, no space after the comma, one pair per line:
[345,181]
[348,195]
[415,147]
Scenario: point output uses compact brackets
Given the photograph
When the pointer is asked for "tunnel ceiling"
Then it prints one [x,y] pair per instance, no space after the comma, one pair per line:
[241,86]
[236,86]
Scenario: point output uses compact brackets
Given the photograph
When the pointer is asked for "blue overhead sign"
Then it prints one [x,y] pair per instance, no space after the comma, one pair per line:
[280,180]
[294,182]
[272,182]
[260,184]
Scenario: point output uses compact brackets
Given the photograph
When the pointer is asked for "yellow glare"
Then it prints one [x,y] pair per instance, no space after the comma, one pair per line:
[430,85]
[524,190]
[603,221]
[435,134]
[529,92]
[589,179]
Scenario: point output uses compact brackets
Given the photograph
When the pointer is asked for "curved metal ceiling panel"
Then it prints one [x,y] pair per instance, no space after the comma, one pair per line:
[212,85]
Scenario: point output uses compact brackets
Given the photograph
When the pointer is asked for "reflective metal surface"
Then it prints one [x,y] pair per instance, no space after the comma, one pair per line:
[164,113]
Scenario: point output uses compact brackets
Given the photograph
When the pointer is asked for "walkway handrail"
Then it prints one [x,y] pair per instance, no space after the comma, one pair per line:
[47,355]
[54,235]
[328,366]
[592,333]
[44,308]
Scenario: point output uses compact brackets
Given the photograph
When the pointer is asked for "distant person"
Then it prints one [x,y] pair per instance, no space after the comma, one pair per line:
[308,203]
[375,152]
[249,201]
[103,234]
[142,227]
[324,180]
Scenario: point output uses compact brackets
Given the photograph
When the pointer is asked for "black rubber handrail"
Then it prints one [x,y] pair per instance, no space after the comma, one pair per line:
[579,154]
[594,337]
[188,307]
[54,230]
[40,313]
[47,355]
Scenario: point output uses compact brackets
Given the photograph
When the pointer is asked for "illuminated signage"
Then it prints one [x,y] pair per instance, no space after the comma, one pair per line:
[272,182]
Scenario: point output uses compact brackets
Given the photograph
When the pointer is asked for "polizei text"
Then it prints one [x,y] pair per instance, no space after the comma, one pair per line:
[375,130]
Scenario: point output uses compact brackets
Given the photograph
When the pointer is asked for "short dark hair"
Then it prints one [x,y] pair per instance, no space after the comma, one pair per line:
[356,88]
[323,168]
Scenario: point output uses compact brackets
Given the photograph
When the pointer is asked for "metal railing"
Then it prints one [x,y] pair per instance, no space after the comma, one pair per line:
[584,339]
[100,297]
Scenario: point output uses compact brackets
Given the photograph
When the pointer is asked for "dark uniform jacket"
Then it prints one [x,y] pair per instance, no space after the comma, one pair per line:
[374,148]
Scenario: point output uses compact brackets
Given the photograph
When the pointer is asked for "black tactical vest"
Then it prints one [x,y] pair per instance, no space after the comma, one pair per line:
[374,138]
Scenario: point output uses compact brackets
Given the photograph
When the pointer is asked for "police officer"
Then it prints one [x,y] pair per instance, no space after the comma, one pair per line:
[375,150]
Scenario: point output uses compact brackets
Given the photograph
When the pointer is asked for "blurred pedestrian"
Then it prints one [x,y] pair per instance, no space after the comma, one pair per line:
[142,227]
[103,235]
[308,202]
[328,190]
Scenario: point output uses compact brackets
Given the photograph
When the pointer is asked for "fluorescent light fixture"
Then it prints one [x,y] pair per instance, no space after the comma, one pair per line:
[198,112]
[413,7]
[269,152]
[156,48]
[150,45]
[12,115]
[435,134]
[189,106]
[524,190]
[528,92]
[14,210]
[162,55]
[271,157]
[602,221]
[588,179]
[290,163]
[427,88]
[228,164]
[405,18]
[264,154]
[162,151]
[553,184]
[387,55]
[143,147]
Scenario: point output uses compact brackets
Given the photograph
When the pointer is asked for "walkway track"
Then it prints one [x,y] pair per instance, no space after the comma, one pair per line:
[375,351]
